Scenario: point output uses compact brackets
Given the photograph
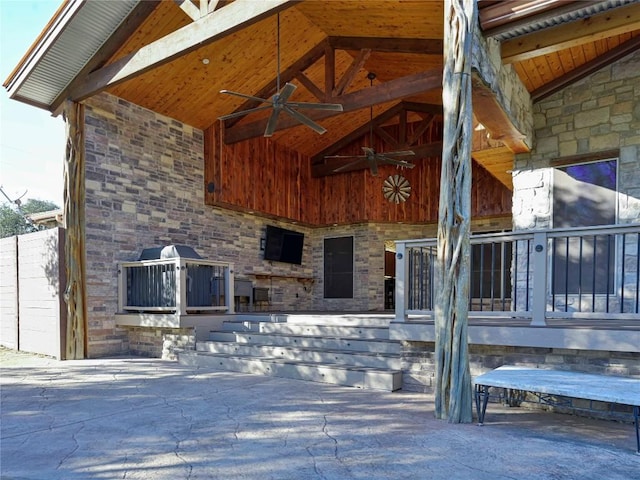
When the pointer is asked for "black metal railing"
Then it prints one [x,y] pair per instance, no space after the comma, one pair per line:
[178,285]
[563,273]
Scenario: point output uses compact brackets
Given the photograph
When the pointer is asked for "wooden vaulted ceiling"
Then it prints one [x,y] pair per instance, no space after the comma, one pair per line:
[339,42]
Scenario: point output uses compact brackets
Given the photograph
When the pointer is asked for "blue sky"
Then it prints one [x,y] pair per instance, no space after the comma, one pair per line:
[31,140]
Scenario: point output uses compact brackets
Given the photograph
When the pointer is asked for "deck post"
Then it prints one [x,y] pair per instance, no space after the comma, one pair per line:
[181,287]
[539,294]
[401,282]
[122,288]
[229,289]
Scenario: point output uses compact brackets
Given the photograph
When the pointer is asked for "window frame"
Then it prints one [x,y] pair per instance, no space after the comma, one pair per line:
[575,161]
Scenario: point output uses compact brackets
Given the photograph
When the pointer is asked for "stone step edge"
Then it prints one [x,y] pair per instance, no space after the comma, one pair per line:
[292,335]
[298,326]
[369,379]
[283,361]
[303,349]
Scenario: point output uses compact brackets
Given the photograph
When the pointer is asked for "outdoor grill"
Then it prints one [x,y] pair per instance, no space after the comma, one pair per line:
[152,285]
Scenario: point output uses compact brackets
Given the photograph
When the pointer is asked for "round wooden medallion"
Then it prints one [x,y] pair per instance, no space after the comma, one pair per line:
[396,188]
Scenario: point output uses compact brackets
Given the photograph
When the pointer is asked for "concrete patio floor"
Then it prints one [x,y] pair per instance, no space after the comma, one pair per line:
[135,418]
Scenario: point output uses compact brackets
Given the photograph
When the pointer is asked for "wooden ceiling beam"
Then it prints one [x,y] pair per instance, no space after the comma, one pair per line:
[329,70]
[424,125]
[356,134]
[394,143]
[587,69]
[309,85]
[395,89]
[208,29]
[390,45]
[488,111]
[604,25]
[422,108]
[351,72]
[188,7]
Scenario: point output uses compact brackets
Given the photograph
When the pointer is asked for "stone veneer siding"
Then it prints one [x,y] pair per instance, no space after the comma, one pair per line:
[418,368]
[160,342]
[145,188]
[597,114]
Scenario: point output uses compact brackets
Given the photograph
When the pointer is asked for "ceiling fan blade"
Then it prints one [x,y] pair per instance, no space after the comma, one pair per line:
[334,107]
[400,153]
[271,123]
[368,150]
[244,112]
[248,97]
[304,120]
[348,165]
[286,92]
[360,157]
[391,161]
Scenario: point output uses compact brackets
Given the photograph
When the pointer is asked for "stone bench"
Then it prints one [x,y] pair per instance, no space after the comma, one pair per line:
[604,388]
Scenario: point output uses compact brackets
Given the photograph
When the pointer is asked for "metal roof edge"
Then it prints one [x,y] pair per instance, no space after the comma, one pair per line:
[41,45]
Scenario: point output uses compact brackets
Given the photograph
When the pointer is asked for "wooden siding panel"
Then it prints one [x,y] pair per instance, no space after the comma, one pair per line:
[264,176]
[41,316]
[9,292]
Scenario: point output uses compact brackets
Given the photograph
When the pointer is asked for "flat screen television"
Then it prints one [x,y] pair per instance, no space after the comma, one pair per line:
[282,245]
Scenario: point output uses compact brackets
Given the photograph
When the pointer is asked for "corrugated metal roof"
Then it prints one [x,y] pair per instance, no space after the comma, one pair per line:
[81,29]
[552,19]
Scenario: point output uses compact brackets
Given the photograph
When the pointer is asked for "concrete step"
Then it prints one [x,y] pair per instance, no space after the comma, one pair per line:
[316,355]
[363,320]
[322,330]
[345,375]
[306,341]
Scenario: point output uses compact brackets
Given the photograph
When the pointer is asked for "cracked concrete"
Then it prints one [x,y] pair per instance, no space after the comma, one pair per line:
[134,418]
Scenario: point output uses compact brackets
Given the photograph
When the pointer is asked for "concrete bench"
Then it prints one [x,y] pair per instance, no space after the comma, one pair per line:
[604,388]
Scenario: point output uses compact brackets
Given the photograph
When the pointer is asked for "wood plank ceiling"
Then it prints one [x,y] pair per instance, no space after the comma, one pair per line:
[394,39]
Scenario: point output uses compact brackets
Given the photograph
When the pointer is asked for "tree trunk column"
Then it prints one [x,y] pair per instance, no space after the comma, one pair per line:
[453,393]
[74,212]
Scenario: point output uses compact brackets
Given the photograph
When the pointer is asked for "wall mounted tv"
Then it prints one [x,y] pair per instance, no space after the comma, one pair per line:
[283,245]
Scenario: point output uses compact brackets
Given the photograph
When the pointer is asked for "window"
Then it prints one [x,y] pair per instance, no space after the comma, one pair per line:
[338,267]
[584,195]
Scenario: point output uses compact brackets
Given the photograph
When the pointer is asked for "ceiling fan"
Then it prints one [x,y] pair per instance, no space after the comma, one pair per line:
[280,102]
[370,156]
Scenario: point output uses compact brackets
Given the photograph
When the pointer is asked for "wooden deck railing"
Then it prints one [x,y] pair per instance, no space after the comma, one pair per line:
[179,285]
[591,272]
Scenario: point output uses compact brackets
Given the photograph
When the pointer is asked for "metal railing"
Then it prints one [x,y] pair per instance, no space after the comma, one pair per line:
[590,272]
[179,285]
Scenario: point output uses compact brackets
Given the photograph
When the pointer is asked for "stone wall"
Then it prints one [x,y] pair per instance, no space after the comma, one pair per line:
[160,342]
[600,113]
[418,366]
